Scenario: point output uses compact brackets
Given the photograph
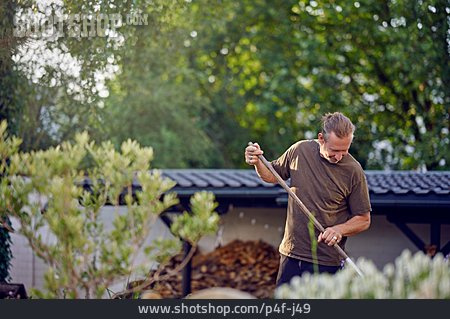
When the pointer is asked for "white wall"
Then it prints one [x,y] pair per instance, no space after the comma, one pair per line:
[381,243]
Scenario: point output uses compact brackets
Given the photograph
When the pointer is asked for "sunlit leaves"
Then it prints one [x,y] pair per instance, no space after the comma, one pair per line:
[381,63]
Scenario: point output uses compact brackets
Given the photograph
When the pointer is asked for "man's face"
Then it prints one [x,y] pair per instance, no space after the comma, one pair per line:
[334,148]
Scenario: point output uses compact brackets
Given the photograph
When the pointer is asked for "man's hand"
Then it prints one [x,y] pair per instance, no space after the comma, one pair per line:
[251,157]
[251,154]
[330,236]
[353,226]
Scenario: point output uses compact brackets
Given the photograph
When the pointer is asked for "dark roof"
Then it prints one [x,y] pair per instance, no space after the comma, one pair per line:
[380,182]
[391,188]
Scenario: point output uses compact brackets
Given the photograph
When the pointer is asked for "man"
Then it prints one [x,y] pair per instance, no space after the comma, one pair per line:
[331,184]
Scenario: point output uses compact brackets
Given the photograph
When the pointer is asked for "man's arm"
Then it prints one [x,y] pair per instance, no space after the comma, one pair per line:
[251,157]
[353,226]
[264,173]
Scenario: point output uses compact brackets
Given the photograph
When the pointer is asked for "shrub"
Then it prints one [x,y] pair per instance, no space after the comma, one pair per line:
[411,276]
[42,190]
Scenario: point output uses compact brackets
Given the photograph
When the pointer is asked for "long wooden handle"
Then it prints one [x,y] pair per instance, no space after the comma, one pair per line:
[304,209]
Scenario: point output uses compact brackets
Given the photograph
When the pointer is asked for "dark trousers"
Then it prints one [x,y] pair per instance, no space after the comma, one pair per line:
[291,267]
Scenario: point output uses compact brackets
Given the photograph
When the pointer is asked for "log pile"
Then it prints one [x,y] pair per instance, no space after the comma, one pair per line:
[249,266]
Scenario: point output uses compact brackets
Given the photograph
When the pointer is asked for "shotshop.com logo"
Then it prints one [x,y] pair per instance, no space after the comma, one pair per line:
[75,25]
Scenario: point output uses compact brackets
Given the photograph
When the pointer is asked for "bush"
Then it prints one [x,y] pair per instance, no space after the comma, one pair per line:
[42,190]
[411,276]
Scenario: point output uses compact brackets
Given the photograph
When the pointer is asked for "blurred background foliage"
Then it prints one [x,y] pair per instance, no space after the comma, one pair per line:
[201,78]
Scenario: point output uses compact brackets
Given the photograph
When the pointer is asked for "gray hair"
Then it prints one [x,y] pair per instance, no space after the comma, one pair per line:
[338,123]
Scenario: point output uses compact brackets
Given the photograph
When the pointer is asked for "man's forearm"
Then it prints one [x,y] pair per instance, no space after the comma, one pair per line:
[264,173]
[354,225]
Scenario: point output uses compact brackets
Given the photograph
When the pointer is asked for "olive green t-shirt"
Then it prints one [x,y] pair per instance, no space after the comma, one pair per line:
[333,193]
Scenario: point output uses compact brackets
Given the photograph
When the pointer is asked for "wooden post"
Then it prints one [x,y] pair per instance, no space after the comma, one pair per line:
[187,270]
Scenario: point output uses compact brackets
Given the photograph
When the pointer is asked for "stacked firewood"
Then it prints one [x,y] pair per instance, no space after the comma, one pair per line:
[249,266]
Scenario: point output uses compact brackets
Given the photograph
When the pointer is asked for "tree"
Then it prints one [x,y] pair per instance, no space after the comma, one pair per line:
[154,98]
[276,67]
[9,110]
[43,190]
[51,83]
[64,65]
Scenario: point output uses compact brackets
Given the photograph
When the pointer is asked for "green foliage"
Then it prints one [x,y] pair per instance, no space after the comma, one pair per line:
[84,256]
[163,249]
[411,276]
[217,74]
[60,81]
[198,221]
[8,147]
[155,98]
[277,66]
[313,239]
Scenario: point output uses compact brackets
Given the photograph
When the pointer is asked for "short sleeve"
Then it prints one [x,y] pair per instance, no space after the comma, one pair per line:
[358,200]
[282,164]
